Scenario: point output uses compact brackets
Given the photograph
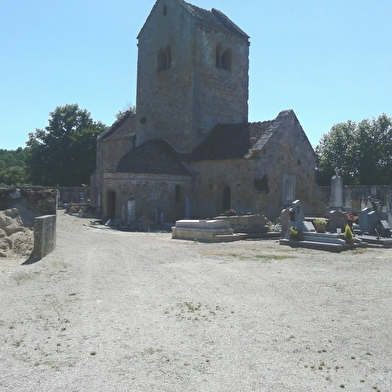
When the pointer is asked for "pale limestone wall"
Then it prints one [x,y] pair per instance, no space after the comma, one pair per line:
[159,189]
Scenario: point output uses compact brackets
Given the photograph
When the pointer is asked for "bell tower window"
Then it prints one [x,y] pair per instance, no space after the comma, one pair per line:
[223,58]
[165,10]
[226,59]
[164,59]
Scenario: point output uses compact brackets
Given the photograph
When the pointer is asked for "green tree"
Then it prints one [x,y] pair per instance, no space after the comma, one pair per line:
[362,152]
[64,152]
[121,113]
[335,150]
[13,167]
[374,151]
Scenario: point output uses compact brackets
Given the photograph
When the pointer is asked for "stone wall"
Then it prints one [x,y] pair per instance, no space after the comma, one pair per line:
[42,201]
[73,194]
[356,197]
[181,104]
[221,95]
[25,207]
[153,194]
[164,98]
[287,153]
[111,146]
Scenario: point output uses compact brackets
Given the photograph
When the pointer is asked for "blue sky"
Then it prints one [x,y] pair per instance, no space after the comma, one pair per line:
[328,60]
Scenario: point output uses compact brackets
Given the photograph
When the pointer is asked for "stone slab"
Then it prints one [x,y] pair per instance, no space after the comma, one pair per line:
[203,224]
[44,236]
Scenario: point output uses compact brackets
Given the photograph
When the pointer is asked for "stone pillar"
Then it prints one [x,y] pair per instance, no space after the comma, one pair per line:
[44,236]
[284,221]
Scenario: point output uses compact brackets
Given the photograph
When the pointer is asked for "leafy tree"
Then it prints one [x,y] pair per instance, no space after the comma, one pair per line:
[13,167]
[362,152]
[121,113]
[64,152]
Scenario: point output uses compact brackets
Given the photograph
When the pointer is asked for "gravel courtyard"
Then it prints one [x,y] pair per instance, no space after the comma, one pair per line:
[116,311]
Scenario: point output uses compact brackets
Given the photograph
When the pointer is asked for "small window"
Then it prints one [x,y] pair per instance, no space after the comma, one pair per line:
[177,193]
[164,59]
[226,59]
[261,184]
[165,10]
[223,58]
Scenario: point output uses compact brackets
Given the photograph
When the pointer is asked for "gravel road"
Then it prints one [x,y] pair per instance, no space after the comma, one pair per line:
[116,311]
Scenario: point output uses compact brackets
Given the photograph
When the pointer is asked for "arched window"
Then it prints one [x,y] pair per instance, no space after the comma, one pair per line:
[164,59]
[165,10]
[223,57]
[226,59]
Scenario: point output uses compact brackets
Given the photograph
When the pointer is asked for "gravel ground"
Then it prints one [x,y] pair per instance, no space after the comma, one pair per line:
[115,311]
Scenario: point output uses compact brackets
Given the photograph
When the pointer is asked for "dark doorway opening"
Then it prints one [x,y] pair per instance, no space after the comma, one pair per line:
[111,204]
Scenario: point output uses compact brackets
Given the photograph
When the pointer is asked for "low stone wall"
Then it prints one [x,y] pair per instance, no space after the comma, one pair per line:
[42,201]
[44,236]
[356,197]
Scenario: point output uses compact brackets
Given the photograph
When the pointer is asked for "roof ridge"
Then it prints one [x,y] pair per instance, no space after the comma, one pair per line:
[117,124]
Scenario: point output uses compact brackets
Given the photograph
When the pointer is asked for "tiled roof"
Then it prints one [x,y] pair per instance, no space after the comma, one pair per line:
[231,141]
[121,129]
[215,19]
[234,141]
[154,157]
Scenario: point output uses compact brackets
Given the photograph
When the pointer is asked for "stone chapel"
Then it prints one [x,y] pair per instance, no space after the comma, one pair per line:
[189,151]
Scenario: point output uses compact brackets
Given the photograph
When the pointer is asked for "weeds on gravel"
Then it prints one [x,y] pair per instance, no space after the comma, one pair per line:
[18,343]
[59,264]
[358,251]
[241,257]
[22,277]
[271,257]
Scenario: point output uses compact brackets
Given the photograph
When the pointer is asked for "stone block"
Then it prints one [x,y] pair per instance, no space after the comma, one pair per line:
[44,236]
[363,219]
[203,224]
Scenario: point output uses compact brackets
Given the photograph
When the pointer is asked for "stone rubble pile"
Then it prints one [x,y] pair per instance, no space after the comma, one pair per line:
[15,238]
